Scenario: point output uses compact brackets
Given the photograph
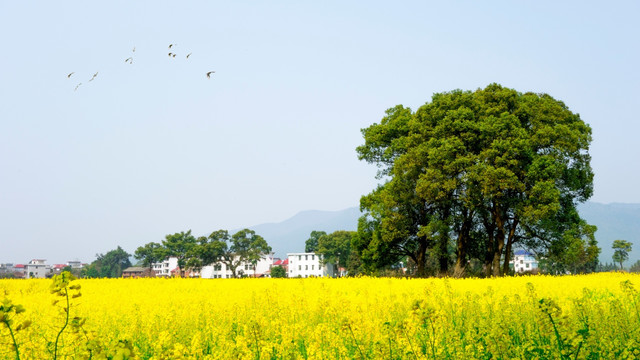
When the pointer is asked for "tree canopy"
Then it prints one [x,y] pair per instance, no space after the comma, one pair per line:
[470,175]
[621,250]
[109,265]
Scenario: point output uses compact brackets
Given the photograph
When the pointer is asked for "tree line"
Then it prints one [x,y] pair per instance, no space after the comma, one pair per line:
[243,247]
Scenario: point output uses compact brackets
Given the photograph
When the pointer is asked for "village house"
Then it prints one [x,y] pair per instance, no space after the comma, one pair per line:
[137,272]
[523,261]
[219,270]
[37,268]
[308,265]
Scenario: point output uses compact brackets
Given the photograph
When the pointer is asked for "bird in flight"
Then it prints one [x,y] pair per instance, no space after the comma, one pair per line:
[129,60]
[172,54]
[94,76]
[134,49]
[71,73]
[189,54]
[171,45]
[209,74]
[77,86]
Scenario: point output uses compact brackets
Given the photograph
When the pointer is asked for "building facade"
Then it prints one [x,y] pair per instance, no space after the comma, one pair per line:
[220,270]
[308,265]
[37,268]
[523,261]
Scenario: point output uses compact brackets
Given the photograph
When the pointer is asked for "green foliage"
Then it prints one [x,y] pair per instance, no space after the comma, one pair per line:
[243,247]
[150,253]
[576,251]
[311,245]
[335,248]
[471,174]
[8,317]
[278,272]
[621,250]
[181,245]
[109,265]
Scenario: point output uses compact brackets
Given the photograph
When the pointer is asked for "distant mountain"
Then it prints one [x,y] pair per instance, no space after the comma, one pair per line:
[290,235]
[614,221]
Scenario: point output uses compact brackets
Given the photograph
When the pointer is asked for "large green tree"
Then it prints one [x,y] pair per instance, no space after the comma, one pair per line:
[470,175]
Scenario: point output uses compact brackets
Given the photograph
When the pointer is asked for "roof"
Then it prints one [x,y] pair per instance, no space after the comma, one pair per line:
[279,262]
[18,266]
[285,262]
[135,269]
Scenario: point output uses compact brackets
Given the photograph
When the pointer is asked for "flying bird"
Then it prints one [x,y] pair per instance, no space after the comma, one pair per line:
[171,45]
[189,54]
[71,73]
[94,76]
[172,54]
[209,74]
[134,49]
[129,60]
[77,86]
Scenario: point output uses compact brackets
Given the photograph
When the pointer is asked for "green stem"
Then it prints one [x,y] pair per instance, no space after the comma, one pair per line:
[55,348]
[356,341]
[15,344]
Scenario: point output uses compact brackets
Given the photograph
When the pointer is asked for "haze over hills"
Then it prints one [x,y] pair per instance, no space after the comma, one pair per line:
[614,221]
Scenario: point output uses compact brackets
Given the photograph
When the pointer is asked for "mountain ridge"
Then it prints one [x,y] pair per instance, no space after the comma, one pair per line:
[614,221]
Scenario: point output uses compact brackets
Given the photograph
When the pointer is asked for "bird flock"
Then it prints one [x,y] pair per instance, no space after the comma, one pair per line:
[129,61]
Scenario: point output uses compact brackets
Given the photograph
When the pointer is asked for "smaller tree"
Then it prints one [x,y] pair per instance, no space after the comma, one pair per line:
[335,248]
[621,250]
[311,245]
[244,247]
[180,245]
[278,272]
[150,253]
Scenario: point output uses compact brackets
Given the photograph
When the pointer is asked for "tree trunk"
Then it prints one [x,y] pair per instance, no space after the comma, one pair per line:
[510,240]
[461,247]
[421,259]
[499,241]
[490,244]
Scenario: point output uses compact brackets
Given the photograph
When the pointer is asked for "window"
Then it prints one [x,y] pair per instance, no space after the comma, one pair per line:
[299,267]
[312,267]
[527,266]
[306,257]
[299,257]
[312,257]
[306,267]
[521,262]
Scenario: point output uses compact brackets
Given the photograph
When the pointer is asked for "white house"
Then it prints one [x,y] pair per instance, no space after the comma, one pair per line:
[523,261]
[75,264]
[37,268]
[164,268]
[308,264]
[220,271]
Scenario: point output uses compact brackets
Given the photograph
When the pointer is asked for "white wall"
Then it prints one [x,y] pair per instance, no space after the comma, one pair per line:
[306,265]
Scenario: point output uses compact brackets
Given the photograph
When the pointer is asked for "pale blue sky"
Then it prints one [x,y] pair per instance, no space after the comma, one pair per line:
[154,147]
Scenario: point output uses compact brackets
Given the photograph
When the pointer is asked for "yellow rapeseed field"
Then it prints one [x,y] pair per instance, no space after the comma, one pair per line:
[537,317]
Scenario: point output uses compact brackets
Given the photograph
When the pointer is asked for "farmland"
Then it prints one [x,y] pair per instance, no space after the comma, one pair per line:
[544,317]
